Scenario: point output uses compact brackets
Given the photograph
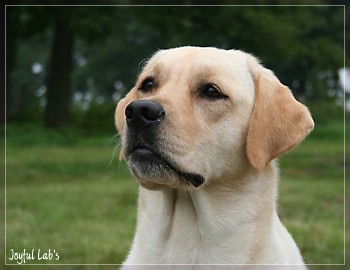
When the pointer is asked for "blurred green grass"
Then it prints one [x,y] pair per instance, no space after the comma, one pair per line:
[68,191]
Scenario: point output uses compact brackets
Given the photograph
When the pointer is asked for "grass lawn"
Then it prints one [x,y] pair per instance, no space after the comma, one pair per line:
[64,194]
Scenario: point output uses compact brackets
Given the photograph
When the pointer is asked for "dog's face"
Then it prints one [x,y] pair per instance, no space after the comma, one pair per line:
[200,114]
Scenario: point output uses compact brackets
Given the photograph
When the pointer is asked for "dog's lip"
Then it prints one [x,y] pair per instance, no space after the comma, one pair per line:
[146,152]
[141,150]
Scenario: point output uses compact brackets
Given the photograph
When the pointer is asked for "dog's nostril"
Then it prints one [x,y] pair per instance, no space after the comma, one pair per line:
[152,114]
[144,111]
[129,112]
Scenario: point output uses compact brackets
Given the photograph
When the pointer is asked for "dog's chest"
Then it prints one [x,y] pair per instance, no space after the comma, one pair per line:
[179,232]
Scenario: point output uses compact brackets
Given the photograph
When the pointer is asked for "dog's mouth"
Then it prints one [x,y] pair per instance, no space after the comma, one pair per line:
[147,162]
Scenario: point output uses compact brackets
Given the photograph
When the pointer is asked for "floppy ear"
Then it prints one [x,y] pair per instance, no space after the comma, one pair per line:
[278,121]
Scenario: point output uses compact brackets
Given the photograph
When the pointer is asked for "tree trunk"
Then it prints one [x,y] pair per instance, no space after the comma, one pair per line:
[59,92]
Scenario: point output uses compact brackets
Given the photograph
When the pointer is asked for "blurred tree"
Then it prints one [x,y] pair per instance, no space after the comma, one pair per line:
[302,44]
[70,23]
[66,23]
[59,92]
[25,44]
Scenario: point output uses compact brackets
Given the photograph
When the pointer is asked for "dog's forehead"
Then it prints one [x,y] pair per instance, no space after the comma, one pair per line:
[198,57]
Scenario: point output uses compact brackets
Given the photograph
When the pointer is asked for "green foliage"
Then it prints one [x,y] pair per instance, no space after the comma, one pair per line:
[99,118]
[327,117]
[22,93]
[302,44]
[325,111]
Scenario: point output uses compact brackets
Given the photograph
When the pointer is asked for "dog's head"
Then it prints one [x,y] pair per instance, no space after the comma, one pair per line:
[200,114]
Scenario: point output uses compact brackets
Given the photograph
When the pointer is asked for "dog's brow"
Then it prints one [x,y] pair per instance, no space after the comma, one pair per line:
[142,64]
[156,70]
[204,73]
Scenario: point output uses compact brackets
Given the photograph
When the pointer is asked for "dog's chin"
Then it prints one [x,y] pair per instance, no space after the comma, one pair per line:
[155,172]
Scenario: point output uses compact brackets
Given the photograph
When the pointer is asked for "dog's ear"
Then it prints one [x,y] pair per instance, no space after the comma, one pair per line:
[278,121]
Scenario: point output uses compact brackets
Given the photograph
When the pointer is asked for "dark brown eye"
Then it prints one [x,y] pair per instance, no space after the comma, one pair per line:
[212,92]
[147,85]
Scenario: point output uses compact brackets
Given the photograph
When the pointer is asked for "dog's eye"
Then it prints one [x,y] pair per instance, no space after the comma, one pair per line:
[147,85]
[212,92]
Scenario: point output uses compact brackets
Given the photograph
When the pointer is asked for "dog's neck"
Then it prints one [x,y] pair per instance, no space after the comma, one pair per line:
[183,217]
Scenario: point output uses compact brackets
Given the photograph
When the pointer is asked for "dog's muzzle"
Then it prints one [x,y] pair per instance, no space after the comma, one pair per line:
[144,152]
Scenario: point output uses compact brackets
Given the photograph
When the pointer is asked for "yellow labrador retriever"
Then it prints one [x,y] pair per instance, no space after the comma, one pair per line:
[200,131]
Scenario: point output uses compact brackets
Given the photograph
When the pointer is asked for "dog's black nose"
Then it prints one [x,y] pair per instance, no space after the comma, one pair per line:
[144,112]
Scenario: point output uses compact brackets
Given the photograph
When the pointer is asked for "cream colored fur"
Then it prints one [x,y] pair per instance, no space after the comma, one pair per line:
[232,143]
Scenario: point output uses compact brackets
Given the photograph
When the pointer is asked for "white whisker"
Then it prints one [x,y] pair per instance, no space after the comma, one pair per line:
[115,140]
